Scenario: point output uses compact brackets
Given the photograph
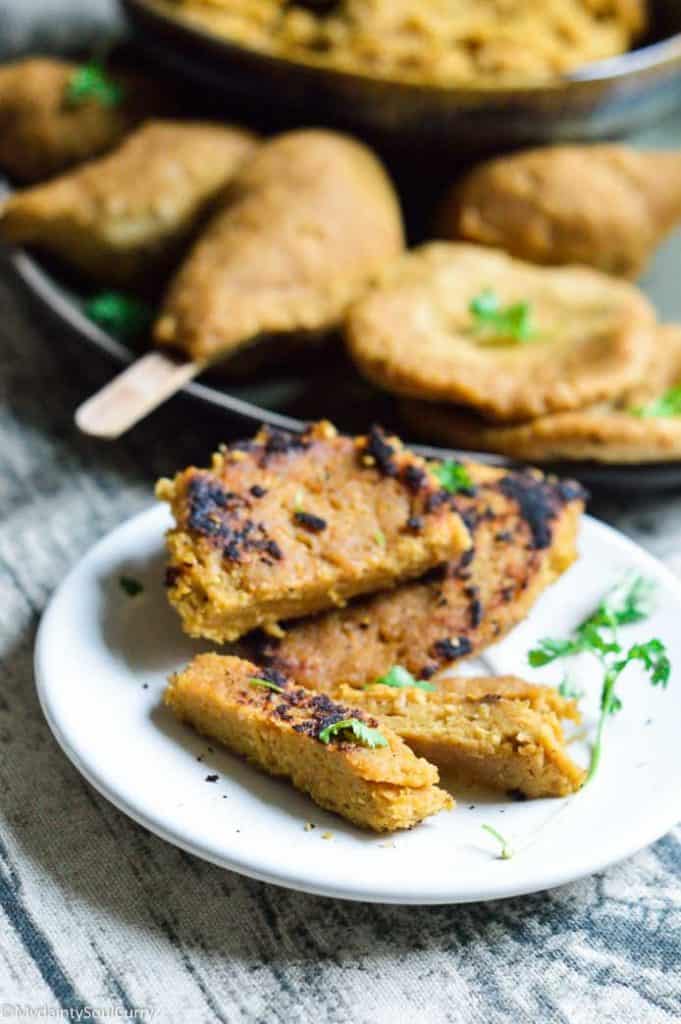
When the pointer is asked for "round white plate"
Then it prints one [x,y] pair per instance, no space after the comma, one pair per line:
[102,658]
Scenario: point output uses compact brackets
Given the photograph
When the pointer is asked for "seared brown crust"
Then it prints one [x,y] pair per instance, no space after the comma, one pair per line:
[416,336]
[41,134]
[129,213]
[502,733]
[603,206]
[306,227]
[524,531]
[384,788]
[608,432]
[284,526]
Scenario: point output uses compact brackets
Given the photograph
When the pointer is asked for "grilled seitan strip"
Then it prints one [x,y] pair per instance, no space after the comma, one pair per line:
[524,529]
[502,733]
[284,526]
[383,788]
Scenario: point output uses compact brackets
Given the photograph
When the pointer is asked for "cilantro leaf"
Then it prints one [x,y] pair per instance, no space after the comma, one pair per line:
[267,685]
[567,689]
[399,677]
[655,660]
[630,600]
[122,315]
[452,476]
[363,733]
[130,585]
[549,650]
[91,82]
[493,321]
[666,406]
[506,851]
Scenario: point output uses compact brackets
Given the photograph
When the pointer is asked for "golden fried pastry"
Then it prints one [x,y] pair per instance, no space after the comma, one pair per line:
[372,779]
[284,526]
[43,132]
[605,206]
[502,733]
[463,323]
[429,42]
[307,225]
[644,425]
[524,530]
[127,214]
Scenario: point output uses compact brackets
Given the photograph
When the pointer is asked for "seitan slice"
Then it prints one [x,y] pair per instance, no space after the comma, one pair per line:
[287,525]
[501,733]
[382,788]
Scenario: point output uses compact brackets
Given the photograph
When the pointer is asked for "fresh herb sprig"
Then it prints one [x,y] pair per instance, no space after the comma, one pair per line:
[494,322]
[267,684]
[398,678]
[359,730]
[453,476]
[122,315]
[92,82]
[666,406]
[506,852]
[628,602]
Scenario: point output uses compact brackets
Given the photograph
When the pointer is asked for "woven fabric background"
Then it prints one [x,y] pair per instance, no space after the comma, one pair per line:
[99,916]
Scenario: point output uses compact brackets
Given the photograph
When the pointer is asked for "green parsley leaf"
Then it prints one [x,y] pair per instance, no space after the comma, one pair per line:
[91,82]
[266,685]
[122,315]
[666,406]
[506,851]
[630,600]
[364,735]
[379,537]
[399,677]
[568,689]
[452,476]
[130,585]
[492,321]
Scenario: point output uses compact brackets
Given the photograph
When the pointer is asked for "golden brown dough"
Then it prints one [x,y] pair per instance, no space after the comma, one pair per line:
[524,530]
[415,333]
[605,206]
[41,133]
[384,788]
[306,226]
[609,432]
[502,733]
[283,526]
[127,214]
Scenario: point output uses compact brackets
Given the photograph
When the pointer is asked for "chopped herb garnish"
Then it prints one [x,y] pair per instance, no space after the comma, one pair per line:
[452,476]
[130,585]
[399,677]
[379,537]
[667,405]
[494,322]
[506,852]
[629,601]
[267,685]
[91,82]
[363,733]
[122,315]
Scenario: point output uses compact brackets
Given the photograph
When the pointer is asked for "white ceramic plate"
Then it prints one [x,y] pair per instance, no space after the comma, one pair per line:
[101,661]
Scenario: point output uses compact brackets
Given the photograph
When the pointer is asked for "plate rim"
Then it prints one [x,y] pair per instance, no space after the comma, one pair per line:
[651,828]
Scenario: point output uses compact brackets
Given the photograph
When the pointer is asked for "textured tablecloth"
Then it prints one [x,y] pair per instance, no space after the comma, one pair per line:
[99,916]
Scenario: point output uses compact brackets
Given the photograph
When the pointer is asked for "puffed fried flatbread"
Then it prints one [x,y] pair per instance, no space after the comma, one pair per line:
[609,432]
[306,226]
[42,134]
[604,206]
[128,213]
[415,334]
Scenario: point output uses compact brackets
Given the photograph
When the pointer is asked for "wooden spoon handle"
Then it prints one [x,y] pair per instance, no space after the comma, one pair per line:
[133,394]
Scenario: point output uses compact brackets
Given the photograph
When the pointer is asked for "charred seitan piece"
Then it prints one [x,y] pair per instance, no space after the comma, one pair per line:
[524,529]
[372,779]
[502,733]
[287,525]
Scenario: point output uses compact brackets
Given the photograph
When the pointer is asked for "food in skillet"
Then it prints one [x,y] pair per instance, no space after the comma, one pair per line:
[128,214]
[430,42]
[466,324]
[335,753]
[287,525]
[524,530]
[305,228]
[54,114]
[642,425]
[502,733]
[604,206]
